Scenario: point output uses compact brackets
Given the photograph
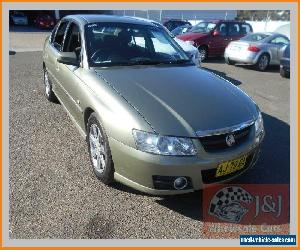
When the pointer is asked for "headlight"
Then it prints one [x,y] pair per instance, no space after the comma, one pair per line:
[163,145]
[259,127]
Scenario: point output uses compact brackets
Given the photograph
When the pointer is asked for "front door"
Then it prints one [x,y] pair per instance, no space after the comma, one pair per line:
[219,40]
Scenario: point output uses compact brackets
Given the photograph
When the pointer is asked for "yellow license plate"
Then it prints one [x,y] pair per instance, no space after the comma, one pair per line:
[231,166]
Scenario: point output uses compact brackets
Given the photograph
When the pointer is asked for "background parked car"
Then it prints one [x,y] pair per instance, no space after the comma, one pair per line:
[189,49]
[181,30]
[174,23]
[260,49]
[19,18]
[285,63]
[44,21]
[212,37]
[284,30]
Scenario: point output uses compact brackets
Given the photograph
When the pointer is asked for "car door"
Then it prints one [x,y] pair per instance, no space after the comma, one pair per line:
[219,39]
[52,50]
[277,46]
[69,75]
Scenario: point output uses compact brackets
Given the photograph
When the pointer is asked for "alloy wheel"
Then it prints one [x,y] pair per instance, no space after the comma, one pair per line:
[97,148]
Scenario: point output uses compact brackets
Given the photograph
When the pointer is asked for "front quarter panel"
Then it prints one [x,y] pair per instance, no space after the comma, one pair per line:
[117,116]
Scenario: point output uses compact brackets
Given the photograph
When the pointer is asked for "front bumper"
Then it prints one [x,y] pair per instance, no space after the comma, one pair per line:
[136,169]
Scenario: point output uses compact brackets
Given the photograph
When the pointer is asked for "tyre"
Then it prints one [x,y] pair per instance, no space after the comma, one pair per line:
[203,53]
[263,62]
[99,151]
[228,61]
[48,88]
[284,73]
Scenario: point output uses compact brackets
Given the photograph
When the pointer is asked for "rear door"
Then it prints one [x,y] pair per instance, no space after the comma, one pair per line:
[69,75]
[51,54]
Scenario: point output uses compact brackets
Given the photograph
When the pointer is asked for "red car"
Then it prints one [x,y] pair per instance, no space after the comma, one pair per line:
[212,37]
[44,22]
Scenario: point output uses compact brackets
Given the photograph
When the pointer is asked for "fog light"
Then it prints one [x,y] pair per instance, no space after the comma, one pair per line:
[180,183]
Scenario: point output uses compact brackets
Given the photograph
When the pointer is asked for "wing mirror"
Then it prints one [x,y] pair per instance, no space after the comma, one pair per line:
[69,58]
[216,33]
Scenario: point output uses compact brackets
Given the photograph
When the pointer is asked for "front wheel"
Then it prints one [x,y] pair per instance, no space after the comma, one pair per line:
[99,151]
[284,73]
[203,53]
[263,62]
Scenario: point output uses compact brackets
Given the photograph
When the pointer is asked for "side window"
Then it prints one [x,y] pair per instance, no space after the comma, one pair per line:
[234,29]
[245,29]
[53,33]
[73,40]
[59,37]
[280,40]
[222,28]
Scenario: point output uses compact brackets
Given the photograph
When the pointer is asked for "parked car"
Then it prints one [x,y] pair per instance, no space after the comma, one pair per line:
[146,125]
[181,30]
[189,49]
[174,23]
[44,21]
[19,18]
[284,30]
[259,49]
[212,37]
[285,63]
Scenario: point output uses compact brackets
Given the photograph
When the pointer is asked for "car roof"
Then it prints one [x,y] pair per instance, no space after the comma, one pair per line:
[222,20]
[94,18]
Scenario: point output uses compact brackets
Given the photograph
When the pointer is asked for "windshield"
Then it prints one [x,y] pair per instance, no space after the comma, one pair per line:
[203,27]
[255,37]
[114,44]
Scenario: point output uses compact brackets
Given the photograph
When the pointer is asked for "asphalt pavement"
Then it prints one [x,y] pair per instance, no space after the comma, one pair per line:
[54,193]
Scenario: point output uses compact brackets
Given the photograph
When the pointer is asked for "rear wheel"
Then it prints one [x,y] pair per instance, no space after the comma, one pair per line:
[48,87]
[203,53]
[263,62]
[99,151]
[228,61]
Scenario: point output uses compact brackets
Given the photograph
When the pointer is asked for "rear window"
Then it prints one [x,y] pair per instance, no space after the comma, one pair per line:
[255,37]
[246,29]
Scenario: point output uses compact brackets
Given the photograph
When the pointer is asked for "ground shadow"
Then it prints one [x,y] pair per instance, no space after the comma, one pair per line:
[11,52]
[224,76]
[273,166]
[271,68]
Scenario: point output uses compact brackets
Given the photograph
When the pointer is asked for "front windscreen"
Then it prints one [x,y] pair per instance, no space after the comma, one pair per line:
[111,44]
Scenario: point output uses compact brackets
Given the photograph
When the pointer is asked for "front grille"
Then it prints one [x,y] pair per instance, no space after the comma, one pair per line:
[209,175]
[215,143]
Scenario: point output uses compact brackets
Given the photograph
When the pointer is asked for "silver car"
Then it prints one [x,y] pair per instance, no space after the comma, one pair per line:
[259,49]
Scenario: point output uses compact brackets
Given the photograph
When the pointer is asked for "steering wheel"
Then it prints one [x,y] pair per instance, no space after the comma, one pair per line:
[95,57]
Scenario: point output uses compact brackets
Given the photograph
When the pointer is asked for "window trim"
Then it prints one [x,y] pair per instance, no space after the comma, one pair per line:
[63,41]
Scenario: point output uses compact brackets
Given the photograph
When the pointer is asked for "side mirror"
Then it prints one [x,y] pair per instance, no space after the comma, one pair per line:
[69,58]
[216,33]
